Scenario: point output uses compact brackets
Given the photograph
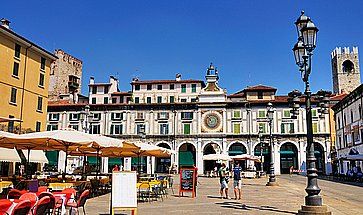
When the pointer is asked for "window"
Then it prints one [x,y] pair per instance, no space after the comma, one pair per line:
[160,99]
[73,126]
[105,90]
[183,100]
[41,79]
[140,128]
[148,100]
[17,50]
[16,69]
[95,129]
[338,120]
[140,115]
[287,128]
[116,116]
[149,87]
[42,63]
[163,115]
[315,127]
[194,88]
[11,124]
[13,95]
[122,99]
[183,88]
[52,127]
[137,87]
[40,104]
[94,90]
[186,128]
[351,116]
[260,95]
[236,128]
[73,116]
[160,87]
[171,86]
[286,114]
[186,115]
[262,128]
[171,98]
[105,100]
[345,119]
[116,129]
[360,111]
[237,114]
[261,114]
[53,116]
[314,113]
[137,100]
[94,100]
[96,116]
[38,126]
[164,129]
[114,100]
[193,100]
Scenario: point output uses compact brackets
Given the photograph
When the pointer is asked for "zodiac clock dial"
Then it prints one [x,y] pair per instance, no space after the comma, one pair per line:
[212,121]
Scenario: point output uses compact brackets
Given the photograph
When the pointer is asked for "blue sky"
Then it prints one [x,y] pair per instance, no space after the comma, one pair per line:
[249,41]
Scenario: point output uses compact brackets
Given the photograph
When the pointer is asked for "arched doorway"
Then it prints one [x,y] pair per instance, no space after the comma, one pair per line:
[266,157]
[238,149]
[187,155]
[210,148]
[319,155]
[163,164]
[288,157]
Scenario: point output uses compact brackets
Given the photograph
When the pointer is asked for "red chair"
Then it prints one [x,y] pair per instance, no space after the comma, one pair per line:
[14,194]
[32,197]
[80,202]
[22,208]
[42,206]
[54,207]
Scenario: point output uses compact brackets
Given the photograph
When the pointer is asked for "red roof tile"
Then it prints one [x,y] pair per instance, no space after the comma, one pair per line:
[259,88]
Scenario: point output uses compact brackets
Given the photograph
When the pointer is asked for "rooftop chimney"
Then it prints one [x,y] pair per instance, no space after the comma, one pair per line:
[178,77]
[91,80]
[5,23]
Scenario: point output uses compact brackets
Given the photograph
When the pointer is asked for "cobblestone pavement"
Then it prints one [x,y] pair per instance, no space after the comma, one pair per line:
[257,199]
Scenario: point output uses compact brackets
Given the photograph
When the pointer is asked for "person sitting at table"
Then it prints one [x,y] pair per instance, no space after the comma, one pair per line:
[115,168]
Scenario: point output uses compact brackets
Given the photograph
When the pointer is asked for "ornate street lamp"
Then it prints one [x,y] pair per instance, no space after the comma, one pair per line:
[270,117]
[303,51]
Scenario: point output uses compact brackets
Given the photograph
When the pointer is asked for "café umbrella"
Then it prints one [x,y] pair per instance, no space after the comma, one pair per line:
[216,157]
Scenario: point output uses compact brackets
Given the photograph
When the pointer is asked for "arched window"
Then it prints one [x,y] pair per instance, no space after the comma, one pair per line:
[348,66]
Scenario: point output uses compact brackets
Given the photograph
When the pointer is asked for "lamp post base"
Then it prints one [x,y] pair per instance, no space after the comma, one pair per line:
[272,183]
[314,210]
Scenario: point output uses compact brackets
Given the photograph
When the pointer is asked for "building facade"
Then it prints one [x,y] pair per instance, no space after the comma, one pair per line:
[24,80]
[202,119]
[65,77]
[349,130]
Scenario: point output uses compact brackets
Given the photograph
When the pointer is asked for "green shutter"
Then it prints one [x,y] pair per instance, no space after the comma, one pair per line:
[186,128]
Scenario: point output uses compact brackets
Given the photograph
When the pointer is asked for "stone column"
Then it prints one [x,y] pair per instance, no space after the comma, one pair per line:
[199,158]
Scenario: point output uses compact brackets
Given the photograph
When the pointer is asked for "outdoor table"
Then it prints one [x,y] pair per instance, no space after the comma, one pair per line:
[60,186]
[5,184]
[249,174]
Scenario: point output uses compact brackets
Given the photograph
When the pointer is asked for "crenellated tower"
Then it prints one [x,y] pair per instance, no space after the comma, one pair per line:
[345,69]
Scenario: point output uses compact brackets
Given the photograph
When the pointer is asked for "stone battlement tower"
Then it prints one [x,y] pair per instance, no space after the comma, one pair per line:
[345,69]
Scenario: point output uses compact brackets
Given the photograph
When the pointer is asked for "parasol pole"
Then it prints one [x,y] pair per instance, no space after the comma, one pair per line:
[97,163]
[65,164]
[27,165]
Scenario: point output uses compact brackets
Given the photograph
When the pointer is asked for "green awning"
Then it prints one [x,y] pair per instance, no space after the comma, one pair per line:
[52,157]
[287,152]
[114,161]
[236,152]
[135,161]
[92,160]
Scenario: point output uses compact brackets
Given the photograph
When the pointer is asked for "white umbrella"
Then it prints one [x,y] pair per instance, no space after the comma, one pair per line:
[216,157]
[246,157]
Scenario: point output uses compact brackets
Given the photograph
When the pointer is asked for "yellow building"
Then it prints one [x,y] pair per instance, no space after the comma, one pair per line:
[24,80]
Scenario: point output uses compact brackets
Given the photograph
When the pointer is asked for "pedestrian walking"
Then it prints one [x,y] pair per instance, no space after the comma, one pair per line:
[223,173]
[237,182]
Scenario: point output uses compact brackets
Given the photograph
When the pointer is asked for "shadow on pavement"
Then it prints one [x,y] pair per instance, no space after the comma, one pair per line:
[240,206]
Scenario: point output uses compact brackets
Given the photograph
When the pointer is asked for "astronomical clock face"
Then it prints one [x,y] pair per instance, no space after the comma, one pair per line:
[212,122]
